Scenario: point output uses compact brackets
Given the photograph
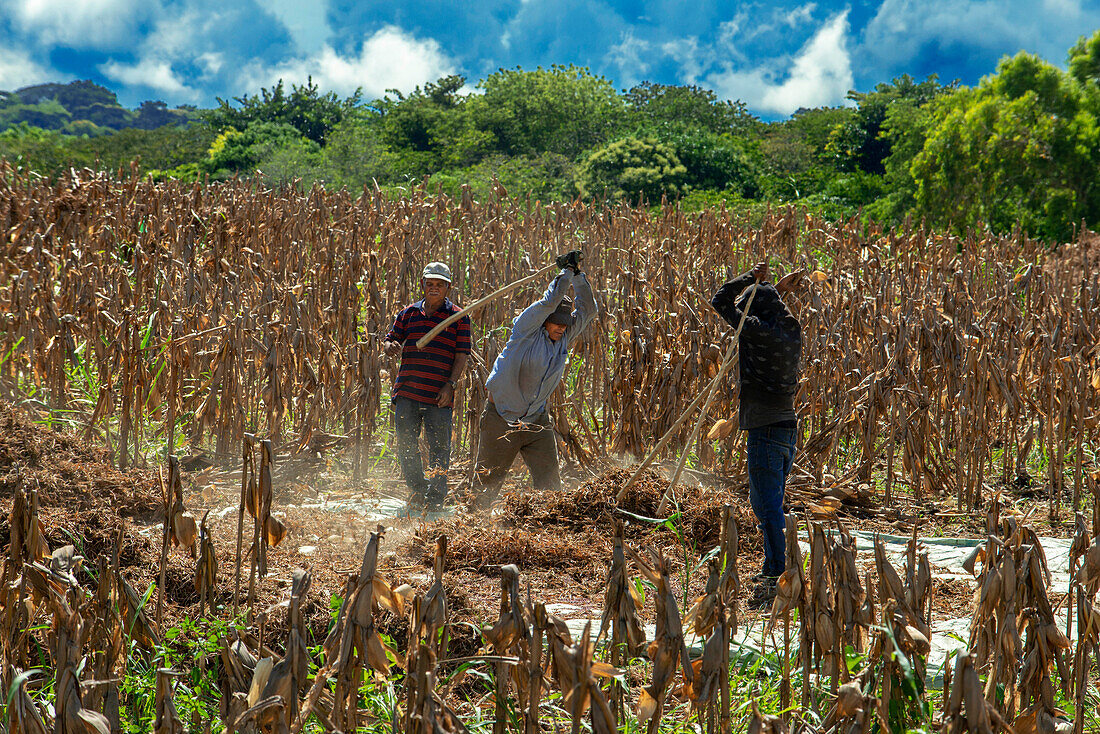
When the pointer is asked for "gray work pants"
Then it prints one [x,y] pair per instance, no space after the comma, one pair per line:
[498,445]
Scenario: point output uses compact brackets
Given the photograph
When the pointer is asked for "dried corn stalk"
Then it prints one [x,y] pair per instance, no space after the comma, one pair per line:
[765,723]
[179,527]
[23,716]
[433,621]
[711,671]
[167,721]
[576,672]
[107,633]
[238,665]
[511,635]
[182,529]
[1086,654]
[206,568]
[288,678]
[853,713]
[66,642]
[354,644]
[265,717]
[620,615]
[667,650]
[790,595]
[26,543]
[852,614]
[266,529]
[137,623]
[966,709]
[819,625]
[426,712]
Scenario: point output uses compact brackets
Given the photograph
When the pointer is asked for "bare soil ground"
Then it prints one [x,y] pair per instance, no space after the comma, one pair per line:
[560,541]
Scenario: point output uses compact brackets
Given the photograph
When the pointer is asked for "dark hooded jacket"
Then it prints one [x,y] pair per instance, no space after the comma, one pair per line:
[770,350]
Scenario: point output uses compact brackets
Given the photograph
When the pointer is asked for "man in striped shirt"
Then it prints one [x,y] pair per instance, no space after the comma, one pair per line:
[423,393]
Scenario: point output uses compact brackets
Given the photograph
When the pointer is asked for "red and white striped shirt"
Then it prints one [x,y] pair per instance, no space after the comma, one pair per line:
[424,372]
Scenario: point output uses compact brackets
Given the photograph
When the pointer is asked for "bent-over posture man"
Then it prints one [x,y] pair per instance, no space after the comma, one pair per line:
[525,373]
[423,393]
[769,350]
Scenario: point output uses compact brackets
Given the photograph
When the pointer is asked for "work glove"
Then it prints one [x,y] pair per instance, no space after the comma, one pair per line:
[571,259]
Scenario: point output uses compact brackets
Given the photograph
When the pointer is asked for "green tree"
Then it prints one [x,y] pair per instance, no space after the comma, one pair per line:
[634,169]
[1084,59]
[355,155]
[718,162]
[1022,147]
[433,126]
[46,152]
[563,109]
[48,114]
[111,116]
[300,159]
[547,177]
[858,142]
[658,106]
[153,114]
[305,109]
[162,148]
[795,159]
[240,151]
[76,97]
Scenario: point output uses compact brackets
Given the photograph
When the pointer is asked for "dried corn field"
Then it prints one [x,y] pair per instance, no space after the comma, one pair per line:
[246,324]
[154,315]
[837,652]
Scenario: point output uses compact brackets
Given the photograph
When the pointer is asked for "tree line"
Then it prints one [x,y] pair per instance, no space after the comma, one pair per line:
[1018,150]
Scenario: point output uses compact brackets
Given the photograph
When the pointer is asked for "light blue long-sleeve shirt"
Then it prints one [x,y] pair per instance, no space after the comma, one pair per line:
[530,365]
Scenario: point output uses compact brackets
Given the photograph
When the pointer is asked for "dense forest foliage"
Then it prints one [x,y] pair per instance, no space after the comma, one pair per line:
[1020,149]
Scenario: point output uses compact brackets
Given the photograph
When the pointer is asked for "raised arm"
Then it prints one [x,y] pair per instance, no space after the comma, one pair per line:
[725,301]
[535,315]
[586,308]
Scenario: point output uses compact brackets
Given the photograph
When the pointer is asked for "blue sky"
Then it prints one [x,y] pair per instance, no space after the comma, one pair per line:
[775,56]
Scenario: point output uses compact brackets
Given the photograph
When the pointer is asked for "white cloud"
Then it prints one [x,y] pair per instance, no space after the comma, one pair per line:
[18,69]
[821,74]
[630,55]
[799,15]
[96,24]
[210,62]
[151,73]
[389,59]
[686,53]
[306,22]
[903,30]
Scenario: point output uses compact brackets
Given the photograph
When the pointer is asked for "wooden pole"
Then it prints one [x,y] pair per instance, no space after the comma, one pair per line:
[708,395]
[427,338]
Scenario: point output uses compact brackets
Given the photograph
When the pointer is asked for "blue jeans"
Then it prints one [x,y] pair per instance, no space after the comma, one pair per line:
[770,454]
[408,418]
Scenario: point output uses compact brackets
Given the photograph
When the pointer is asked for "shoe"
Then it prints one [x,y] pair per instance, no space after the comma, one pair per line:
[764,593]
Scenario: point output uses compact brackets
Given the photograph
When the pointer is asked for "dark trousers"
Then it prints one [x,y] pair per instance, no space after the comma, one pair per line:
[409,416]
[770,455]
[498,445]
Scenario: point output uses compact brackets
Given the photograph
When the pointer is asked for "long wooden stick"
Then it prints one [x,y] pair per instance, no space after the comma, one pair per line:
[711,391]
[727,363]
[427,338]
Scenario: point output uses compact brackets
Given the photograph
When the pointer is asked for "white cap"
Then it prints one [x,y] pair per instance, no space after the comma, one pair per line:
[439,271]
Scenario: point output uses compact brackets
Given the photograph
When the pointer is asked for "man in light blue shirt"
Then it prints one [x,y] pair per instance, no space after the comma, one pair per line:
[528,369]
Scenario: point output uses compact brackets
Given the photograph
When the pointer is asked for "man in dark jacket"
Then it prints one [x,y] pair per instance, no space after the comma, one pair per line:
[769,352]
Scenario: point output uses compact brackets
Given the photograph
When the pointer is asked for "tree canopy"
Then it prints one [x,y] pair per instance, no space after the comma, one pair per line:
[1019,149]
